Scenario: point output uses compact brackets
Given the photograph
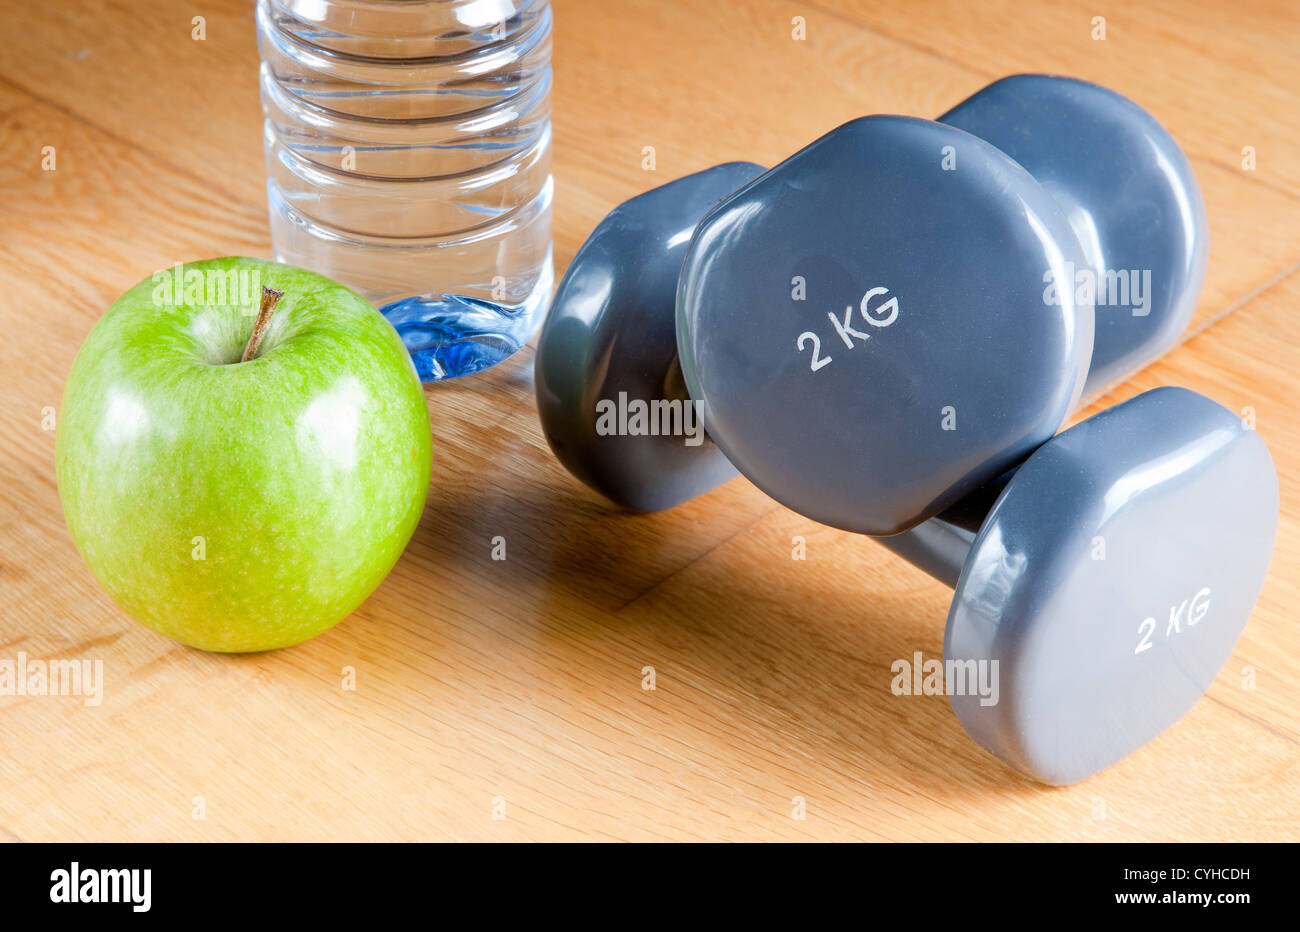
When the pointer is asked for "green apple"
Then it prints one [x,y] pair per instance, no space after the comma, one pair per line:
[242,505]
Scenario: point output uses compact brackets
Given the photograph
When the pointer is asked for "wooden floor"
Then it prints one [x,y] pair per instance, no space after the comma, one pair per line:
[515,688]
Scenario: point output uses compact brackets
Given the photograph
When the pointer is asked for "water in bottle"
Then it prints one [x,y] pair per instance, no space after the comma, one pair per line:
[408,157]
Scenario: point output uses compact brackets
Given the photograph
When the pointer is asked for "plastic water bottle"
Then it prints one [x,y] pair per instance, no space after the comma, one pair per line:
[408,157]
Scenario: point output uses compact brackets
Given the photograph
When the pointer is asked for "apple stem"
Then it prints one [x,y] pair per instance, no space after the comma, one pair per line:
[270,298]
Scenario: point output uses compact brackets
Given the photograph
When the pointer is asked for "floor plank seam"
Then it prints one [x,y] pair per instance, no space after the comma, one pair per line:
[1245,299]
[681,569]
[205,183]
[1190,334]
[1250,718]
[904,42]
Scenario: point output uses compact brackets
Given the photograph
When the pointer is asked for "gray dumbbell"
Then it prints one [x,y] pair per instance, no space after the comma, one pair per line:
[900,312]
[907,466]
[611,345]
[1104,582]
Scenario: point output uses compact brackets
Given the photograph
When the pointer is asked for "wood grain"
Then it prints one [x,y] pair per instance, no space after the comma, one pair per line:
[521,680]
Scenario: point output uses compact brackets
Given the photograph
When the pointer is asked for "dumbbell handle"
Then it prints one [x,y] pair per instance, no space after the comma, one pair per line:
[940,545]
[935,546]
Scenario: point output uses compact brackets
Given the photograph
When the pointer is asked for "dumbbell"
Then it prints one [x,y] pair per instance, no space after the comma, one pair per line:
[900,312]
[979,360]
[1106,580]
[610,336]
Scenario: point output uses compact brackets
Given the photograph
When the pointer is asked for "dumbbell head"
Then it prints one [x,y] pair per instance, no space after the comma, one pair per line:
[1110,581]
[865,328]
[608,350]
[1129,194]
